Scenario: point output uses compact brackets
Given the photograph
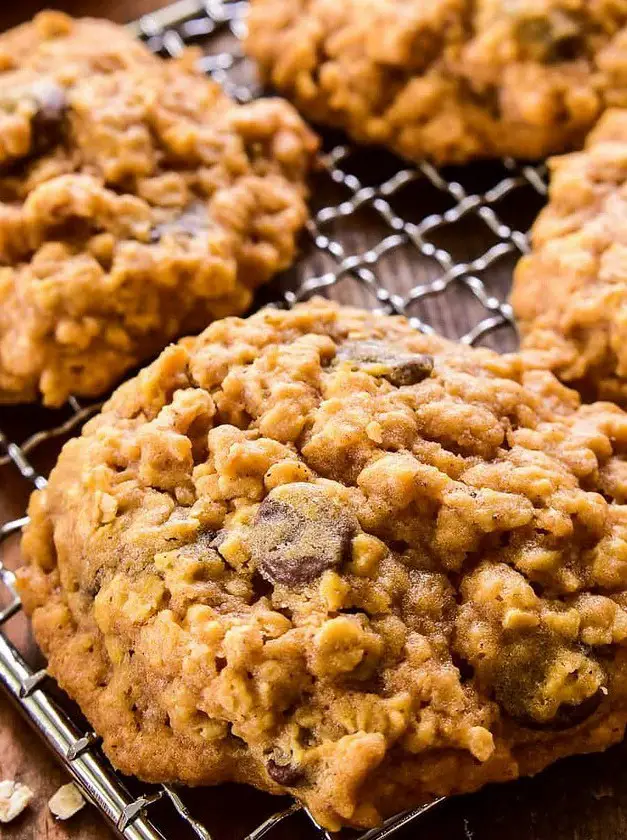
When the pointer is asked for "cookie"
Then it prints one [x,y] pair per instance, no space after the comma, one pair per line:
[570,292]
[323,554]
[447,80]
[137,203]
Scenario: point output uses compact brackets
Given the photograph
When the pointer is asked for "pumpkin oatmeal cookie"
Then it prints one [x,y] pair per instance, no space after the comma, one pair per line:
[570,293]
[449,80]
[321,553]
[137,203]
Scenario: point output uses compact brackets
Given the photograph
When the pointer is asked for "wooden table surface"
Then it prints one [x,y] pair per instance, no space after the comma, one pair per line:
[583,798]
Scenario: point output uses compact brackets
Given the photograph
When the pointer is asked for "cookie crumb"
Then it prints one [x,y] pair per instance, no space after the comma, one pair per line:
[14,797]
[66,802]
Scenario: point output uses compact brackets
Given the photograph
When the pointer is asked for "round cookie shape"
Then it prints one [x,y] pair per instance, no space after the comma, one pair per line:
[447,80]
[137,204]
[570,292]
[321,553]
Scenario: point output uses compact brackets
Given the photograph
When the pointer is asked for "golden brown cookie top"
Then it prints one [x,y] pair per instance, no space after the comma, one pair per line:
[570,293]
[40,60]
[70,46]
[316,550]
[137,203]
[447,80]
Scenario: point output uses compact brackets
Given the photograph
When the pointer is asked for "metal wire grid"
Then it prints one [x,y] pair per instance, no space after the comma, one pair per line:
[467,274]
[167,32]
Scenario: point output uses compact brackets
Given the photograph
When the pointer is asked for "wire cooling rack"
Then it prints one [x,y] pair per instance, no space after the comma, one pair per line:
[437,246]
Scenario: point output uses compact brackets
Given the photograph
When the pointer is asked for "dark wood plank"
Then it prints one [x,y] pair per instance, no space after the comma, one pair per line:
[24,757]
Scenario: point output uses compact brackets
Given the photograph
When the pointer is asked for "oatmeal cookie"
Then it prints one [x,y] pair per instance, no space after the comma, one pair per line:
[324,554]
[137,203]
[448,79]
[570,293]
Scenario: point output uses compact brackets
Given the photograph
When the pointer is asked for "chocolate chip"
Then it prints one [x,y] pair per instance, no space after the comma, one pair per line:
[299,531]
[380,358]
[569,715]
[520,678]
[216,539]
[284,774]
[486,96]
[91,583]
[51,101]
[48,101]
[192,221]
[48,120]
[551,38]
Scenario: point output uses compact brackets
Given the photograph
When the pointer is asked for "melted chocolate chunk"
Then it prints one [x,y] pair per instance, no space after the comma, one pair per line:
[300,531]
[552,38]
[192,222]
[519,685]
[92,584]
[216,540]
[486,96]
[284,774]
[569,715]
[379,358]
[49,103]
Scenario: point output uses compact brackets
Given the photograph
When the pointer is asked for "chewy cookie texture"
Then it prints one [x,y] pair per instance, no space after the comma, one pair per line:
[448,79]
[137,203]
[318,552]
[570,293]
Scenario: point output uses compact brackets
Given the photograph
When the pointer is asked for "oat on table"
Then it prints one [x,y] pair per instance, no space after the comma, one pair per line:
[570,293]
[14,799]
[321,553]
[66,802]
[137,203]
[447,79]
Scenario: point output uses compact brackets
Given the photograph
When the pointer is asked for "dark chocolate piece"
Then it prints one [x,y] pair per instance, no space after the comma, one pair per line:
[300,531]
[380,358]
[284,774]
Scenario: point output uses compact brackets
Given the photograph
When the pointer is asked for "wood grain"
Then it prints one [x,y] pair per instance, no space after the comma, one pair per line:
[583,798]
